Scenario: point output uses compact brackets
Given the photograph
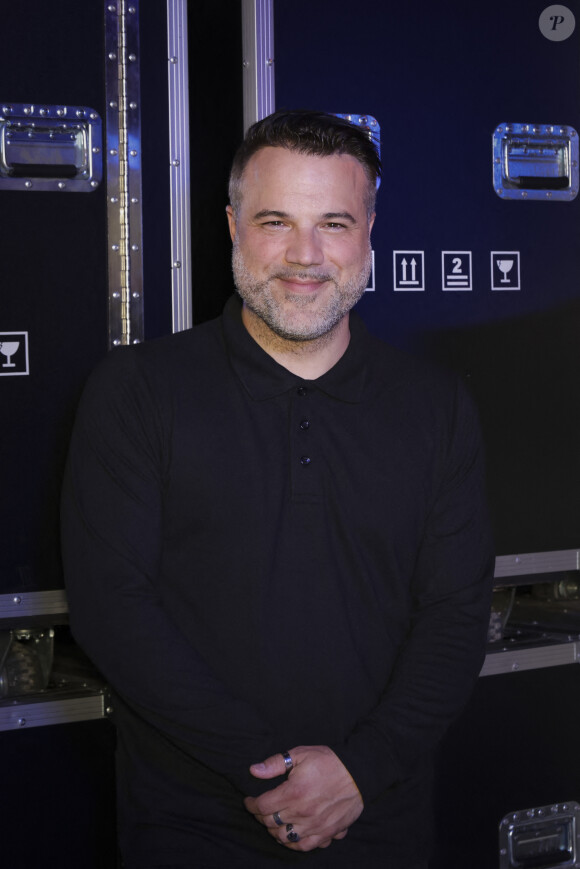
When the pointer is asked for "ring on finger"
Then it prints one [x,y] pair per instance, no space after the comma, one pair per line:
[278,820]
[292,835]
[288,762]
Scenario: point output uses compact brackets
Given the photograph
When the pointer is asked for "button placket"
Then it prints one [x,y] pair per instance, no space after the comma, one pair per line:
[305,475]
[305,461]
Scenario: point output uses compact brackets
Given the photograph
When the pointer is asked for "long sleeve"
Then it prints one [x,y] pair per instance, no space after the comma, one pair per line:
[438,664]
[112,531]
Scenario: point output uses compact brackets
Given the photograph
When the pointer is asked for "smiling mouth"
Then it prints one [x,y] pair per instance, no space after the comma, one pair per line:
[303,284]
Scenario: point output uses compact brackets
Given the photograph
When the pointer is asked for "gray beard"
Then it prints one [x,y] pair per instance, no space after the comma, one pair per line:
[259,299]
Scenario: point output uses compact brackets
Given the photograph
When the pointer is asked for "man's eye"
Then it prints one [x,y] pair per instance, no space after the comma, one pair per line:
[333,225]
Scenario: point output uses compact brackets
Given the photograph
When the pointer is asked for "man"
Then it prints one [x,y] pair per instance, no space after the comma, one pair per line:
[276,545]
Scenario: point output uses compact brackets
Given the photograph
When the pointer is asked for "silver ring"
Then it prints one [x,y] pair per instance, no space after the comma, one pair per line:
[278,820]
[288,762]
[292,835]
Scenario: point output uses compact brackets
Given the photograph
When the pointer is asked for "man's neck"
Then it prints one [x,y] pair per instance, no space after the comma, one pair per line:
[307,359]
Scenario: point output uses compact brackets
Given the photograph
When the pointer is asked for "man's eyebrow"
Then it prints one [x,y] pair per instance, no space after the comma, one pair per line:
[283,215]
[339,215]
[266,212]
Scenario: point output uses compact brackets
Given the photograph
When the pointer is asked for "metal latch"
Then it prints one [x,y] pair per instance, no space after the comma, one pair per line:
[547,837]
[535,161]
[370,125]
[50,148]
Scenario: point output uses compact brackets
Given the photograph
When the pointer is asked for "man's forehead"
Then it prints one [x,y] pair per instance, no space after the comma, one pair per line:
[271,155]
[294,171]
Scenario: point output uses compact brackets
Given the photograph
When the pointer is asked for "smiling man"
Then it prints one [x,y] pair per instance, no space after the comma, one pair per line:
[280,521]
[298,266]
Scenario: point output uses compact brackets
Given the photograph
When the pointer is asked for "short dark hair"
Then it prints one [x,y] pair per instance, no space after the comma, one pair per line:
[308,132]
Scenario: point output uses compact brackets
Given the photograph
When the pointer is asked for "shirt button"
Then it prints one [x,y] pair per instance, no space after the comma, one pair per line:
[305,424]
[301,390]
[305,460]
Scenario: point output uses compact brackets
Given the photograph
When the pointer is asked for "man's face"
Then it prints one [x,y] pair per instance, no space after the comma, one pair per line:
[301,255]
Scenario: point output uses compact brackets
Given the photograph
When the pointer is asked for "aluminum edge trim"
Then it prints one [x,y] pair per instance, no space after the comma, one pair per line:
[537,562]
[179,159]
[33,603]
[516,660]
[258,59]
[20,716]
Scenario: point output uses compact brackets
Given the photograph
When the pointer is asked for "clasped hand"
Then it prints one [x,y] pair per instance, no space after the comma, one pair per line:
[319,798]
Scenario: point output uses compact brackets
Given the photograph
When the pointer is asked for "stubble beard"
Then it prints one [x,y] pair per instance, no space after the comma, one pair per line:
[287,320]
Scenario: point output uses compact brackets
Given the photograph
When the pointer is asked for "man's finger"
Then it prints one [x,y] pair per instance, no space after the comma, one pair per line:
[270,768]
[275,800]
[273,820]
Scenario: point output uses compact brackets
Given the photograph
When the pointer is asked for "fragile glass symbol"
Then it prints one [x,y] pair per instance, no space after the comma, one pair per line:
[8,349]
[505,266]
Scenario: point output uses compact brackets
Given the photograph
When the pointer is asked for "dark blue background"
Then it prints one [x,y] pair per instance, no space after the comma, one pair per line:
[440,78]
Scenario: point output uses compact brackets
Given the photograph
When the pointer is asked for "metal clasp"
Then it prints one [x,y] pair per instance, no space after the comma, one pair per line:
[535,161]
[50,148]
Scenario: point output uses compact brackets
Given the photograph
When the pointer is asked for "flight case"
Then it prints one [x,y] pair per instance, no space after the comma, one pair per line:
[94,195]
[476,267]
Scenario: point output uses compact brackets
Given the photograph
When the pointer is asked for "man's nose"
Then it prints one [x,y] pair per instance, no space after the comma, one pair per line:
[304,248]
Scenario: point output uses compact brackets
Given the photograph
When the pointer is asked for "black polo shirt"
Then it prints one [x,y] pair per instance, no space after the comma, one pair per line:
[254,562]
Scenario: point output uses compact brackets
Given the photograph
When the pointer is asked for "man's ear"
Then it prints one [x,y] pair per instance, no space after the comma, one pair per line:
[231,221]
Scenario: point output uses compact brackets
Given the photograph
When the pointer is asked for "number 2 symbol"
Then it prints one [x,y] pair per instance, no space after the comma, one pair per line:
[456,265]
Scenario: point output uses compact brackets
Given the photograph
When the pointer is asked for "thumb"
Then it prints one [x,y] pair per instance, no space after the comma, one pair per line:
[270,768]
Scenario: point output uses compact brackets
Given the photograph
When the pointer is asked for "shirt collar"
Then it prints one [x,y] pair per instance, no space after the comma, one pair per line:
[264,378]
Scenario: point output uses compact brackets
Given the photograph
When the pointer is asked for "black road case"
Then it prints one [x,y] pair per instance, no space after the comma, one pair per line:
[478,108]
[477,267]
[94,195]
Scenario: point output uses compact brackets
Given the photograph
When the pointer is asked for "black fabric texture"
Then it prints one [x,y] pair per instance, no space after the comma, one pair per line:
[255,562]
